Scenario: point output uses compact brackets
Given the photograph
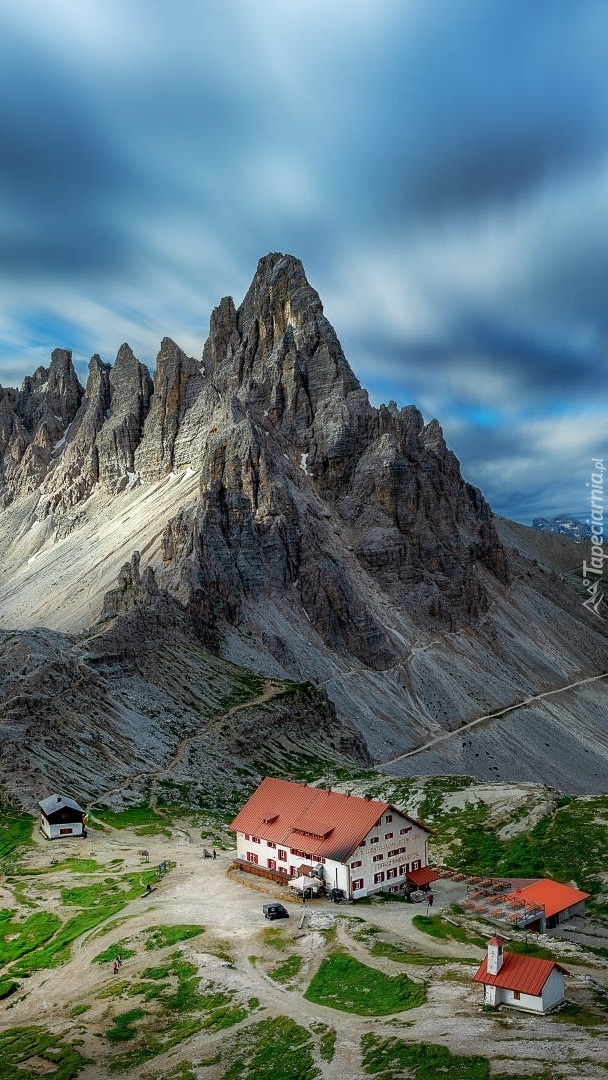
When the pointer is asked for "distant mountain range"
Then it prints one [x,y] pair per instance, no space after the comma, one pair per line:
[168,545]
[563,526]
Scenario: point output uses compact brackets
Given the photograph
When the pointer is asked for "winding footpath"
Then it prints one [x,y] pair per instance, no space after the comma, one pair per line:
[488,716]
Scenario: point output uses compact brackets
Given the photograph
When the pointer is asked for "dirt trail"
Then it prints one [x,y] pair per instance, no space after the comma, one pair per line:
[270,689]
[200,891]
[488,716]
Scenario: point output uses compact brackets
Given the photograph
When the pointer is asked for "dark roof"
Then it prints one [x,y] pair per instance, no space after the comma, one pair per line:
[320,822]
[56,802]
[528,974]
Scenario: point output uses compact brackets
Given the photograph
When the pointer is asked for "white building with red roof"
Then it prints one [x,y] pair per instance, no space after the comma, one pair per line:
[525,982]
[355,844]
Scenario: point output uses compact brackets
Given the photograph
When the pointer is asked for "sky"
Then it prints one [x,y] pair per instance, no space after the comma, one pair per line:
[439,166]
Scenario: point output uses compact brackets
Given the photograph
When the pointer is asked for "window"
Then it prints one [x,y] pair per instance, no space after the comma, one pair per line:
[252,857]
[395,851]
[282,855]
[62,831]
[377,858]
[389,817]
[363,843]
[516,995]
[353,865]
[379,877]
[272,864]
[405,868]
[357,884]
[416,864]
[269,843]
[375,840]
[392,872]
[255,840]
[247,836]
[388,836]
[408,829]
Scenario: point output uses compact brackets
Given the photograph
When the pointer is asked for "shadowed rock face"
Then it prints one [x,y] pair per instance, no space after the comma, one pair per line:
[292,525]
[300,475]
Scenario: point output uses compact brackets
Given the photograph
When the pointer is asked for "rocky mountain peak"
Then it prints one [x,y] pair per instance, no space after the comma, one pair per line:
[302,483]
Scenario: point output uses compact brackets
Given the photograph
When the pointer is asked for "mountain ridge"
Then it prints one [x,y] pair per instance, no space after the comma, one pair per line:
[302,531]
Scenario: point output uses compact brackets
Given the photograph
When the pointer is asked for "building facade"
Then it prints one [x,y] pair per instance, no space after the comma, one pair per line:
[358,845]
[61,816]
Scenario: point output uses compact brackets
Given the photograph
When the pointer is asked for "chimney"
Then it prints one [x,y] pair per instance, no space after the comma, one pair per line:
[495,955]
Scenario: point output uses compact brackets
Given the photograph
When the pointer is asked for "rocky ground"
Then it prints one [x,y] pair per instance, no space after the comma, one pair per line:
[235,954]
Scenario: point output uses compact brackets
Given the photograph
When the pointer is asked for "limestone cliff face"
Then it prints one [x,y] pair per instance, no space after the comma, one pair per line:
[305,490]
[291,528]
[33,422]
[299,473]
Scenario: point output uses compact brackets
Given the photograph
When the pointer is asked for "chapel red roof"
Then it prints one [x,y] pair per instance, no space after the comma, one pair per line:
[320,822]
[551,895]
[528,974]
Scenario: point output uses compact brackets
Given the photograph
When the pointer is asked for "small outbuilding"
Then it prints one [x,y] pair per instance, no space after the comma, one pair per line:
[61,817]
[525,982]
[545,903]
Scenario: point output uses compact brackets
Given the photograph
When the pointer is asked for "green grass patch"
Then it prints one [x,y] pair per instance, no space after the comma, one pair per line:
[21,936]
[572,1013]
[399,955]
[119,948]
[72,865]
[7,987]
[275,937]
[391,1059]
[112,893]
[327,1040]
[123,1030]
[57,949]
[78,1010]
[180,1009]
[274,1049]
[529,948]
[159,937]
[346,984]
[288,970]
[441,928]
[15,832]
[18,1045]
[129,818]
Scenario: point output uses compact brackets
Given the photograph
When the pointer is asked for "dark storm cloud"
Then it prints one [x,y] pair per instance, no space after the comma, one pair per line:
[485,100]
[440,166]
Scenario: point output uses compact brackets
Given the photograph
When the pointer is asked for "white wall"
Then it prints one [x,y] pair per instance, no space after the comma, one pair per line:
[57,832]
[552,994]
[414,841]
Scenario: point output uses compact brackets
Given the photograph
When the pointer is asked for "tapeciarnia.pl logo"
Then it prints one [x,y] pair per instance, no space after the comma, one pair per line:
[594,570]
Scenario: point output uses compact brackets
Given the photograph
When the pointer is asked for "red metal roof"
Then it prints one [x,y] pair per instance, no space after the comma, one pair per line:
[528,974]
[423,876]
[313,810]
[551,895]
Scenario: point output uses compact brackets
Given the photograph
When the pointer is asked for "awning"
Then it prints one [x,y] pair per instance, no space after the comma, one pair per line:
[303,883]
[424,876]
